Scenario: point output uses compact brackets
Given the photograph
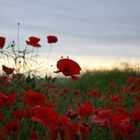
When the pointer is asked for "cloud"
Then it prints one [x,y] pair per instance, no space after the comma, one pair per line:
[94,28]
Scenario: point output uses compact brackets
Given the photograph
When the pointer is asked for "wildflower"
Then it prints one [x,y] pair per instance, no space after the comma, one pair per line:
[93,92]
[52,39]
[46,116]
[18,114]
[119,123]
[50,103]
[64,124]
[71,114]
[85,109]
[11,99]
[74,132]
[2,42]
[119,119]
[131,131]
[77,92]
[85,128]
[3,98]
[7,70]
[101,117]
[11,128]
[130,79]
[1,116]
[112,85]
[135,114]
[68,67]
[19,77]
[120,109]
[115,98]
[34,136]
[4,80]
[33,41]
[34,98]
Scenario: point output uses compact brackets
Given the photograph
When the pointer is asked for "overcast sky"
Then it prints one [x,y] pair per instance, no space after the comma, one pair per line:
[88,30]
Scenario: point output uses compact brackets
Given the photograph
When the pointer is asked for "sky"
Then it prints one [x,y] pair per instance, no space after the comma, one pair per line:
[92,32]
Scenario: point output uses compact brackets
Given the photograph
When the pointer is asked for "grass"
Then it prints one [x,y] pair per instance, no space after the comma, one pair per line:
[99,79]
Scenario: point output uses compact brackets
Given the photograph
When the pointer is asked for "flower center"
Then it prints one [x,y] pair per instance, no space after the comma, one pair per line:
[67,71]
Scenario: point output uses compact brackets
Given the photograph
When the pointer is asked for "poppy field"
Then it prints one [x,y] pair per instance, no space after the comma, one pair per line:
[99,105]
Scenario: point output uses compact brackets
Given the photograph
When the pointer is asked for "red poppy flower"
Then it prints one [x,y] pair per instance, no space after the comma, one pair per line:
[18,114]
[46,116]
[112,85]
[7,100]
[12,127]
[34,136]
[135,114]
[71,114]
[68,67]
[131,131]
[33,41]
[74,132]
[120,120]
[63,126]
[93,92]
[19,77]
[11,99]
[4,80]
[7,70]
[52,39]
[50,103]
[79,131]
[101,117]
[85,128]
[130,79]
[1,116]
[3,98]
[115,98]
[34,98]
[2,42]
[85,109]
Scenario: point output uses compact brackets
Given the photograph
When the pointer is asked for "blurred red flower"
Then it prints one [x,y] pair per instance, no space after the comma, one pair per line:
[52,39]
[112,85]
[19,77]
[3,98]
[46,116]
[135,114]
[85,109]
[4,80]
[61,131]
[68,67]
[34,98]
[34,136]
[18,114]
[85,128]
[2,42]
[11,128]
[7,70]
[7,100]
[131,131]
[78,131]
[101,117]
[71,114]
[1,116]
[11,99]
[33,41]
